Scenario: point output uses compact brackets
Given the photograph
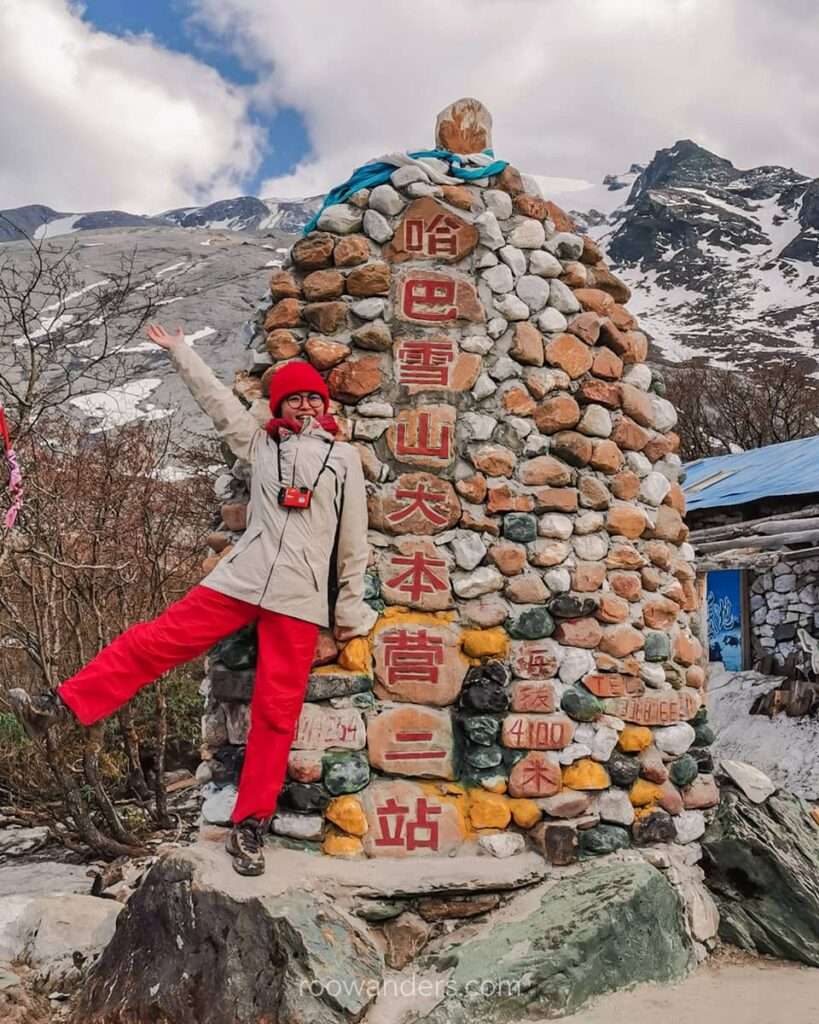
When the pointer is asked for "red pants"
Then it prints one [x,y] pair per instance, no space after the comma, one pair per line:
[186,629]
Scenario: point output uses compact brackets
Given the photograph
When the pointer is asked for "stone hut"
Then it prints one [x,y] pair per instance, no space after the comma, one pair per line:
[535,675]
[755,522]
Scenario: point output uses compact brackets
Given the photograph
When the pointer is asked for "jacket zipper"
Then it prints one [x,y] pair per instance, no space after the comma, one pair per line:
[284,527]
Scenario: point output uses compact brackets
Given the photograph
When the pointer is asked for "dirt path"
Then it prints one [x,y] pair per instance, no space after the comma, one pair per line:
[730,989]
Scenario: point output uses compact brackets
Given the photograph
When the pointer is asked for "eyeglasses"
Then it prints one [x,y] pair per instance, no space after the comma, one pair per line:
[311,397]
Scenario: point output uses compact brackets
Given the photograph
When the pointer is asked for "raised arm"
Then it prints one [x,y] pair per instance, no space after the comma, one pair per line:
[233,421]
[353,617]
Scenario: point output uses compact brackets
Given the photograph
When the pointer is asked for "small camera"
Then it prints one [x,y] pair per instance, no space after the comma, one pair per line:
[295,497]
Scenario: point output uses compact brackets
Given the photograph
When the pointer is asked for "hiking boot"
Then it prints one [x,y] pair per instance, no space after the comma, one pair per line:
[245,844]
[38,713]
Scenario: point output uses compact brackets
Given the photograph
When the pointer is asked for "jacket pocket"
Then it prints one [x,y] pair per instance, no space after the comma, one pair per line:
[242,550]
[318,574]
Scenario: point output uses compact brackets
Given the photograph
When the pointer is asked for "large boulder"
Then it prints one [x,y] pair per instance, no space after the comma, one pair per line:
[610,926]
[198,944]
[762,864]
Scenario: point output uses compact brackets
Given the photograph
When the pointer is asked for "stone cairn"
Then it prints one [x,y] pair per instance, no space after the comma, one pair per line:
[534,671]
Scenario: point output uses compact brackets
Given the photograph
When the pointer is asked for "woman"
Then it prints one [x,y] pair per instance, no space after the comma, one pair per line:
[307,507]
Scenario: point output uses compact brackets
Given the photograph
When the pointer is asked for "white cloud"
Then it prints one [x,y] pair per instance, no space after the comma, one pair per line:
[576,89]
[92,121]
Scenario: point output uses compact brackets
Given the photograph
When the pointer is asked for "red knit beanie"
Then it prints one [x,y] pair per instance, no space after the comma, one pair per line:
[293,377]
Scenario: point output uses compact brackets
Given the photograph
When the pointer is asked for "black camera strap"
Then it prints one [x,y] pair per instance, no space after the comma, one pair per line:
[318,477]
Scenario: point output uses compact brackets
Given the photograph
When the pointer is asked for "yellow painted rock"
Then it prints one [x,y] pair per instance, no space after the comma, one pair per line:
[586,774]
[488,810]
[342,846]
[635,738]
[643,793]
[356,656]
[485,643]
[525,813]
[348,814]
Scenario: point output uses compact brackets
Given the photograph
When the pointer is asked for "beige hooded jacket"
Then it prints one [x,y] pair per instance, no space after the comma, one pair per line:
[282,561]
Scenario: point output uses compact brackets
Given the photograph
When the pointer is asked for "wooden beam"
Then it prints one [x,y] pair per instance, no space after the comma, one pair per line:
[759,543]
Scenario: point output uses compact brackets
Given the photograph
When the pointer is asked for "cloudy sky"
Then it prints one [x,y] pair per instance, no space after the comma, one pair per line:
[148,104]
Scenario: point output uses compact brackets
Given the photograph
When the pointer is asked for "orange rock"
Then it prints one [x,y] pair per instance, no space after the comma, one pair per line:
[473,488]
[690,601]
[659,553]
[600,392]
[351,250]
[558,413]
[325,317]
[494,460]
[527,345]
[626,584]
[283,285]
[651,578]
[234,515]
[606,364]
[592,253]
[482,524]
[546,553]
[528,588]
[668,525]
[371,279]
[695,677]
[286,313]
[555,499]
[561,220]
[675,440]
[636,349]
[621,318]
[354,379]
[569,354]
[601,277]
[593,493]
[594,299]
[457,195]
[588,577]
[626,485]
[585,326]
[606,457]
[676,499]
[314,251]
[509,179]
[672,590]
[619,641]
[518,401]
[626,520]
[504,498]
[687,650]
[574,448]
[579,632]
[323,284]
[574,274]
[637,404]
[531,206]
[282,345]
[325,354]
[658,446]
[629,435]
[635,738]
[508,557]
[611,609]
[660,613]
[544,469]
[465,126]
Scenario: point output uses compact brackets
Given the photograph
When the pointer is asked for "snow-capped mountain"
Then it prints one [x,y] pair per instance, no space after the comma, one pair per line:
[723,263]
[246,213]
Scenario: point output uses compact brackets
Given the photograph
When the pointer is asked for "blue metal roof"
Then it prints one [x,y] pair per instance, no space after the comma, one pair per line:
[778,469]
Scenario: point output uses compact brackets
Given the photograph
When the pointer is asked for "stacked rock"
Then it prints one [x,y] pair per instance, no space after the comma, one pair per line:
[535,669]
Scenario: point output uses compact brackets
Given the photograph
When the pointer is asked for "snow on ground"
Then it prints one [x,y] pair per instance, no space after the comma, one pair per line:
[170,267]
[786,749]
[120,405]
[60,226]
[149,346]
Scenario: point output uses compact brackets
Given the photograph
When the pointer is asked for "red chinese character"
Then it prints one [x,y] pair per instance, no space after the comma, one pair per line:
[419,578]
[423,444]
[420,500]
[538,663]
[397,835]
[535,776]
[412,656]
[425,362]
[429,299]
[413,755]
[438,236]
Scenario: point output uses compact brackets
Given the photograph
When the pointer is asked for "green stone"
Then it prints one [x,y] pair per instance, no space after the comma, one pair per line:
[323,685]
[237,651]
[345,772]
[484,757]
[623,770]
[481,729]
[372,587]
[683,770]
[580,704]
[532,624]
[704,735]
[603,839]
[520,527]
[658,646]
[381,910]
